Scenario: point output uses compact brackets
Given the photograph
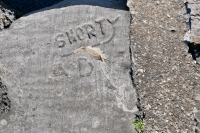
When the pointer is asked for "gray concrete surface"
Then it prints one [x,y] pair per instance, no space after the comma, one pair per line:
[167,75]
[54,90]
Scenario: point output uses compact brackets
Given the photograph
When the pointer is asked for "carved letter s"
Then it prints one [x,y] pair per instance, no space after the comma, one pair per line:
[60,40]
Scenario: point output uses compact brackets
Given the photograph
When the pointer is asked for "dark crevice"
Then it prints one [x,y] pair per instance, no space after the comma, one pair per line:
[194,50]
[188,11]
[196,130]
[140,115]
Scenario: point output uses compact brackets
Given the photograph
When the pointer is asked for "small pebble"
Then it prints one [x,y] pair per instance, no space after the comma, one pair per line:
[3,122]
[197,97]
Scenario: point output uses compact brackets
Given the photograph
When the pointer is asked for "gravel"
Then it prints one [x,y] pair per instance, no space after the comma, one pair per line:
[168,73]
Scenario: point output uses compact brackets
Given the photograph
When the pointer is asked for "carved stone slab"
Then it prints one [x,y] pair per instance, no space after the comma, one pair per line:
[53,89]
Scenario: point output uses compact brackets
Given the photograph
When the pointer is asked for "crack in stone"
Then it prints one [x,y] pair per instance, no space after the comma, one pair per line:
[4,100]
[141,114]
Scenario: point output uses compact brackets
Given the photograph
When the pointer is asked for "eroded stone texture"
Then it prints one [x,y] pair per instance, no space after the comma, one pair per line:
[193,35]
[194,11]
[53,89]
[166,75]
[194,38]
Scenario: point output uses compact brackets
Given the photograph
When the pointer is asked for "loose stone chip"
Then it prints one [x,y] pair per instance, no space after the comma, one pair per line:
[93,52]
[195,40]
[198,97]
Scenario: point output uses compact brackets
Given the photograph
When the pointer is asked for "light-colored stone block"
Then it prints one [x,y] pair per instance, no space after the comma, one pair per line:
[54,90]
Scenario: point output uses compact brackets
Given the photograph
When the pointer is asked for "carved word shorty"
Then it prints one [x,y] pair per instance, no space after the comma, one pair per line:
[87,30]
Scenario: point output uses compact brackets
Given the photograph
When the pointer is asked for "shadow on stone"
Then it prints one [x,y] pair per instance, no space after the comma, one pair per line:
[30,6]
[188,12]
[194,50]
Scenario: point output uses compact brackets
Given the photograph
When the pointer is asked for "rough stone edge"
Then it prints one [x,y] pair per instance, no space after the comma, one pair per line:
[140,115]
[193,41]
[9,15]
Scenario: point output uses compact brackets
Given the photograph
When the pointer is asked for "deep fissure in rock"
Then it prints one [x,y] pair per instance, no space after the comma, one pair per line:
[141,114]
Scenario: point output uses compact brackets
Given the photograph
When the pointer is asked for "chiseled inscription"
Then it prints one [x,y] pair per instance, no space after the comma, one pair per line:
[85,68]
[87,30]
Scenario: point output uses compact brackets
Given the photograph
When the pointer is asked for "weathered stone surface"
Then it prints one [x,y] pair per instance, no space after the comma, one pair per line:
[197,115]
[194,32]
[53,89]
[194,38]
[167,76]
[197,96]
[193,35]
[194,11]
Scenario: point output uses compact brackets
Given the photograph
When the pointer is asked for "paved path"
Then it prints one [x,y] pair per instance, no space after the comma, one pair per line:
[167,74]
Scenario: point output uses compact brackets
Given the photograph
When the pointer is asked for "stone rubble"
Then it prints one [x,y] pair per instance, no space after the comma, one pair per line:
[6,17]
